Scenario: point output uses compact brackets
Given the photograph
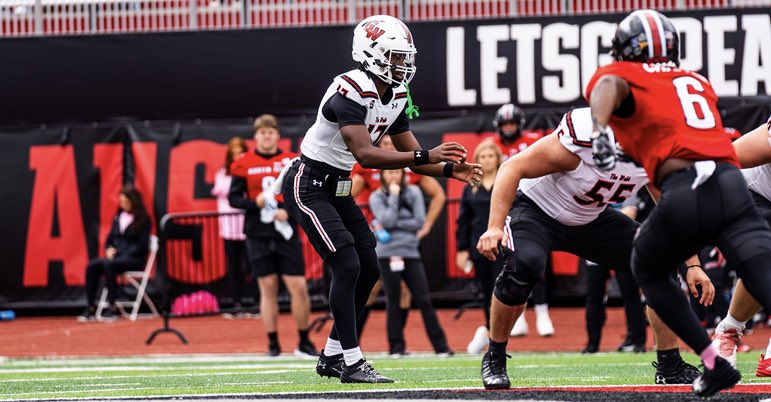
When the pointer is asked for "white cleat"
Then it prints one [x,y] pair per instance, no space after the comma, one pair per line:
[726,343]
[544,325]
[520,327]
[479,342]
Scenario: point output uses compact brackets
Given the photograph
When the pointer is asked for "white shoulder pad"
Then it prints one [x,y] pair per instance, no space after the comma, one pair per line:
[356,86]
[575,132]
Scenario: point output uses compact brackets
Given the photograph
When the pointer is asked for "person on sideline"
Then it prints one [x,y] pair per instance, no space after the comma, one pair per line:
[125,250]
[271,234]
[400,208]
[231,223]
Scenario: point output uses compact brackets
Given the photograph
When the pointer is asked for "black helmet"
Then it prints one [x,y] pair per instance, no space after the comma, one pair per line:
[509,113]
[646,36]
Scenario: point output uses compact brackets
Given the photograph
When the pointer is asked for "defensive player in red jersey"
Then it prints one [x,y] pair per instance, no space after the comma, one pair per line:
[509,122]
[271,234]
[666,119]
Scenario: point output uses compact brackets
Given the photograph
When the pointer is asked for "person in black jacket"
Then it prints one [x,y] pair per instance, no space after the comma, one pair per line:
[125,250]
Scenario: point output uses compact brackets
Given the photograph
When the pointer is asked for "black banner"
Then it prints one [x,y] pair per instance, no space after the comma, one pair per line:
[535,62]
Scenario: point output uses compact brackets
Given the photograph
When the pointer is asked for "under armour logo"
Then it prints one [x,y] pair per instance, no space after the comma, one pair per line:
[317,183]
[417,154]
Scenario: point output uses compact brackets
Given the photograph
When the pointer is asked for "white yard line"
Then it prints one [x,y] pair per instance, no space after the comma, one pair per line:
[154,368]
[113,377]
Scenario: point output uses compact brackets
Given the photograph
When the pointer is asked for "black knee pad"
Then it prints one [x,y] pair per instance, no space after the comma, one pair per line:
[365,241]
[513,288]
[344,262]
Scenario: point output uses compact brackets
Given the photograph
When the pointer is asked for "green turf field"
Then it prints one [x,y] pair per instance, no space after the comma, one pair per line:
[238,374]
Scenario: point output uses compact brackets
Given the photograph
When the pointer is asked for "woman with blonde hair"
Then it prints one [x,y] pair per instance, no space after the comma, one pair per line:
[472,222]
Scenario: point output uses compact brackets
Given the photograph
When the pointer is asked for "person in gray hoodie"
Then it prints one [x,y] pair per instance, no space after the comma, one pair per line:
[400,209]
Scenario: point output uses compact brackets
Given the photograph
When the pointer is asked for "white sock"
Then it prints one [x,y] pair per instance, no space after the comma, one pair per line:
[332,347]
[541,309]
[768,349]
[352,356]
[730,322]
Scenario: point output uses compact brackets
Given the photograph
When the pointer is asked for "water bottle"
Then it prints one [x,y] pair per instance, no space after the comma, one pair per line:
[7,315]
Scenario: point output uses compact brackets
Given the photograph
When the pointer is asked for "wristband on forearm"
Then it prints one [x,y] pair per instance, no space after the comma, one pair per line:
[421,157]
[447,172]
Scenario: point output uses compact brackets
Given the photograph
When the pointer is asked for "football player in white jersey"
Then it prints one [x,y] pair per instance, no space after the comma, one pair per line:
[562,204]
[754,152]
[358,108]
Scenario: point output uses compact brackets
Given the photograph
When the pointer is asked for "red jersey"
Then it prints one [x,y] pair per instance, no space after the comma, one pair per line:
[675,116]
[260,171]
[372,181]
[525,140]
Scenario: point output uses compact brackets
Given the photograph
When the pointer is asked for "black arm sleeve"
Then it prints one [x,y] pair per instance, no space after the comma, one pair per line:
[401,125]
[237,195]
[343,111]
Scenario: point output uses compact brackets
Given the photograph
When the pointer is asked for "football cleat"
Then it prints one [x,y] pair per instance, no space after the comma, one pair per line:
[306,349]
[479,342]
[764,367]
[329,366]
[274,349]
[494,374]
[722,376]
[362,372]
[676,373]
[544,325]
[726,343]
[520,326]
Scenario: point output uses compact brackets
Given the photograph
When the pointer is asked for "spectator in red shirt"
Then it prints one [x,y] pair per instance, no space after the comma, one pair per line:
[271,235]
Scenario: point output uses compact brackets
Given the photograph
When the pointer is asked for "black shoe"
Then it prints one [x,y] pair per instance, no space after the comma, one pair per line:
[274,349]
[679,372]
[329,366]
[109,314]
[494,371]
[590,349]
[722,376]
[87,315]
[306,348]
[629,347]
[362,372]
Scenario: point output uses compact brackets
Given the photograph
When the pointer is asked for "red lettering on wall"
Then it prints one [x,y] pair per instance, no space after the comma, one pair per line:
[108,159]
[145,156]
[182,167]
[55,187]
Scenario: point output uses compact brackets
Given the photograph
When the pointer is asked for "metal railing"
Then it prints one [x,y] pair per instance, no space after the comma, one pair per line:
[67,17]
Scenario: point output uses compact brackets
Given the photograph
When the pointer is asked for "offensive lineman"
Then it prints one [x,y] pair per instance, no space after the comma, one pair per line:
[666,118]
[562,206]
[358,108]
[754,154]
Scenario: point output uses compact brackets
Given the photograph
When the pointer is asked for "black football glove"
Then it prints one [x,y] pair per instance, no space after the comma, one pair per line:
[603,149]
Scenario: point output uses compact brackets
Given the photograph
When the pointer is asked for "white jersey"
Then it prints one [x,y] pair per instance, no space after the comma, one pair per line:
[323,141]
[759,178]
[577,197]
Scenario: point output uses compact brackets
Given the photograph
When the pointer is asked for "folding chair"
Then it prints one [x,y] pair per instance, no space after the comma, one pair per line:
[137,279]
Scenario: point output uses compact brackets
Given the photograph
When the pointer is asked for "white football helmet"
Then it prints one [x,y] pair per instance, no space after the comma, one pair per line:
[383,45]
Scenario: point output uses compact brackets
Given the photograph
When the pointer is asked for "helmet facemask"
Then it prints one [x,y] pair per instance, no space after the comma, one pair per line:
[395,67]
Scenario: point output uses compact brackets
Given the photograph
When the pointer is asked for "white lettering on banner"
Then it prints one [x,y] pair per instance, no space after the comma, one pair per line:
[717,54]
[457,94]
[568,64]
[591,58]
[525,35]
[690,39]
[756,63]
[560,76]
[490,65]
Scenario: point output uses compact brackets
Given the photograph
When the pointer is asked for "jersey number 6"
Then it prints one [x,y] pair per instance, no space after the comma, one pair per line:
[689,101]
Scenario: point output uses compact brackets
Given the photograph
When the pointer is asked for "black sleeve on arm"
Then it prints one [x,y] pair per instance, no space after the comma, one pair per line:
[343,111]
[237,195]
[401,125]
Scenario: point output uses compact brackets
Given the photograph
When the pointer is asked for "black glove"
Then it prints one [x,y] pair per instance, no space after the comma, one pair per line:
[603,149]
